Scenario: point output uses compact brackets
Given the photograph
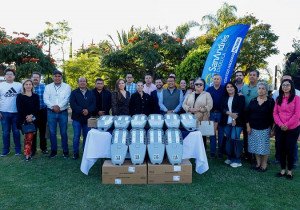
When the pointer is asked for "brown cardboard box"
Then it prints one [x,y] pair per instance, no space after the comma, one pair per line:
[92,122]
[124,179]
[169,179]
[166,168]
[124,174]
[166,173]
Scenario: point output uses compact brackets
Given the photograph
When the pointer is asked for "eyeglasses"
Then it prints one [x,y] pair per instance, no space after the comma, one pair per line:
[198,84]
[286,85]
[9,74]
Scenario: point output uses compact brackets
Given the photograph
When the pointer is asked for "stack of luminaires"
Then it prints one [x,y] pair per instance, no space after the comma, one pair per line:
[105,122]
[137,146]
[174,145]
[156,146]
[119,146]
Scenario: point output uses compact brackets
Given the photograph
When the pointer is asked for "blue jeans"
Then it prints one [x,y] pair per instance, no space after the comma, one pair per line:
[234,145]
[77,128]
[62,119]
[216,117]
[9,122]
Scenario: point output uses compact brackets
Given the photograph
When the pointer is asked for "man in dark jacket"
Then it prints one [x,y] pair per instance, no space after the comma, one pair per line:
[154,96]
[103,98]
[83,104]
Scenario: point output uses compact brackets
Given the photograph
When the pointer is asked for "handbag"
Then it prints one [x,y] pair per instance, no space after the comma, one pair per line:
[206,128]
[28,128]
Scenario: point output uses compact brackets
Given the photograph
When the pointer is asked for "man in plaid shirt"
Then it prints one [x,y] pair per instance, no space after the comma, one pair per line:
[39,89]
[130,85]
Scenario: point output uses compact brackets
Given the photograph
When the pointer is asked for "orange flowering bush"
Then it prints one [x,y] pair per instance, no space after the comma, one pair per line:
[25,53]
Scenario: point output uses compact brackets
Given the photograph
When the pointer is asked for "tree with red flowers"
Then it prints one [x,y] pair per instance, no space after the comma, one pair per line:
[25,53]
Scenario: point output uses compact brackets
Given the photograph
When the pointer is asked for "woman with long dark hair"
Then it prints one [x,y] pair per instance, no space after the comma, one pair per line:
[232,108]
[286,116]
[28,106]
[120,99]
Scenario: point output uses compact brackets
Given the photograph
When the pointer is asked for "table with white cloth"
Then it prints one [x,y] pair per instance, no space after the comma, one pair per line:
[98,143]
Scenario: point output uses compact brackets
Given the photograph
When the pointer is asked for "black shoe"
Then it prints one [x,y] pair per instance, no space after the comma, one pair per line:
[289,176]
[279,174]
[52,154]
[256,168]
[75,156]
[262,169]
[66,154]
[45,152]
[28,158]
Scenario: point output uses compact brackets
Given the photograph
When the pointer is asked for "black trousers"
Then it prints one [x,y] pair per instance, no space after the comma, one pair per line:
[286,146]
[41,125]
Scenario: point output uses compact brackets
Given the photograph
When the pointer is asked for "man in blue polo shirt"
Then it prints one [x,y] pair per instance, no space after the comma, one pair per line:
[217,92]
[249,92]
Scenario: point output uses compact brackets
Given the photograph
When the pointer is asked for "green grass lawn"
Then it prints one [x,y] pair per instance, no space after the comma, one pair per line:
[58,183]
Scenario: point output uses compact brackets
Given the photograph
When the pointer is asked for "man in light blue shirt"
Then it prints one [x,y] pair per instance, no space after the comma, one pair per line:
[130,85]
[171,99]
[249,92]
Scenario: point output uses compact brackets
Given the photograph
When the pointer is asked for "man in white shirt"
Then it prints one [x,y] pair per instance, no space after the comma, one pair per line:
[56,98]
[8,112]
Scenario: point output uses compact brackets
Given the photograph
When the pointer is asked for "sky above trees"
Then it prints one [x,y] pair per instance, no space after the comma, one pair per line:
[94,20]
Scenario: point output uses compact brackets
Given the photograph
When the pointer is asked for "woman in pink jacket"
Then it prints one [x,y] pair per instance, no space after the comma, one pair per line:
[287,119]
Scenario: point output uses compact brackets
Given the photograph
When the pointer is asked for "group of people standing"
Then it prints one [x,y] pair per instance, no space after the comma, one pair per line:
[234,108]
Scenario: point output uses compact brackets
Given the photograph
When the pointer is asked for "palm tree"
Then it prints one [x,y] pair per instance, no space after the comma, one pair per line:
[215,23]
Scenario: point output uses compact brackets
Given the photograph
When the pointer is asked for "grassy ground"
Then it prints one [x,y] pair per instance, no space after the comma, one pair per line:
[58,183]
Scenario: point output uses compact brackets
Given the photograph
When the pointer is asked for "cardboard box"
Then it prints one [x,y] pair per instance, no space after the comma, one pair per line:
[166,168]
[92,122]
[169,179]
[124,174]
[124,179]
[166,173]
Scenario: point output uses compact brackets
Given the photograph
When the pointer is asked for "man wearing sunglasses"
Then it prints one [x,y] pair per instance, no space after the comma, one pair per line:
[249,92]
[217,92]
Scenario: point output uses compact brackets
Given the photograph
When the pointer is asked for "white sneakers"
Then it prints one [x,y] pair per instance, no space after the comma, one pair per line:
[227,161]
[235,165]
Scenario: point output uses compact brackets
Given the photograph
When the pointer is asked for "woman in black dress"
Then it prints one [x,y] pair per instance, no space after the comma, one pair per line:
[120,99]
[28,106]
[140,102]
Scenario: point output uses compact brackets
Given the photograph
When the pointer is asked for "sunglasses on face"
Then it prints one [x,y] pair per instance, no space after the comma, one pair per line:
[198,84]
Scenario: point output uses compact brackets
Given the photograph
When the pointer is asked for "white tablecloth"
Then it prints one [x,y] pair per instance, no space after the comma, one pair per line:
[193,147]
[97,145]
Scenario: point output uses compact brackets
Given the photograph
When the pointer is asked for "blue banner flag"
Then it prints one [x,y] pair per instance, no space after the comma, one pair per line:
[223,53]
